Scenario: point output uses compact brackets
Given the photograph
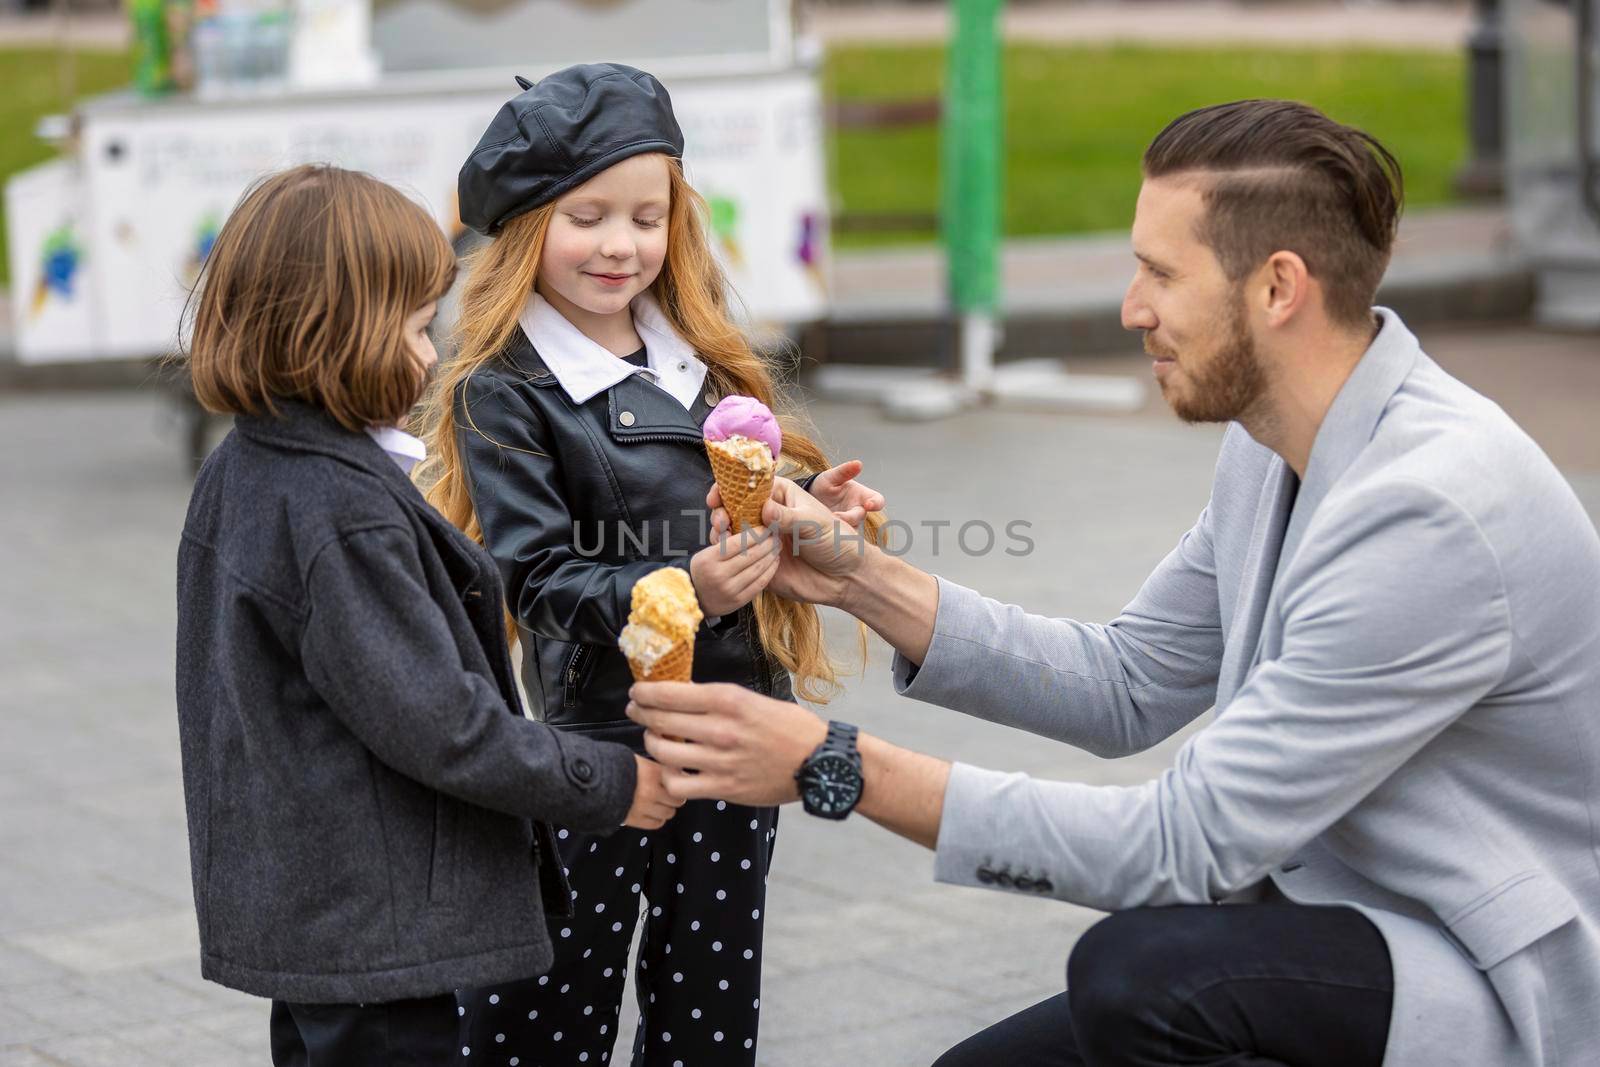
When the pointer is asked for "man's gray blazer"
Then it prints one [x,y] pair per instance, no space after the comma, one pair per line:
[1404,655]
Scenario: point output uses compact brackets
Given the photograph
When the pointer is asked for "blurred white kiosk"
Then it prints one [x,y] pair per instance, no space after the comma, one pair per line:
[970,166]
[107,239]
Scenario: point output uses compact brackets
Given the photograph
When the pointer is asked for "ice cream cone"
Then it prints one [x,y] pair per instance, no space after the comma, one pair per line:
[664,618]
[674,666]
[745,481]
[744,441]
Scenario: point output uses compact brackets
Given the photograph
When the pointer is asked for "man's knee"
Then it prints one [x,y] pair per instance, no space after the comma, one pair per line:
[1108,971]
[1126,970]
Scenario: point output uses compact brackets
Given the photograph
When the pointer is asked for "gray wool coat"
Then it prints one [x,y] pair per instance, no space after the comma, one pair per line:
[1404,657]
[366,801]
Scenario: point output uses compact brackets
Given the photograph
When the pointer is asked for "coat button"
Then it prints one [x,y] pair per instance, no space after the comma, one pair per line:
[986,876]
[1044,885]
[626,418]
[1024,883]
[1004,879]
[711,400]
[582,771]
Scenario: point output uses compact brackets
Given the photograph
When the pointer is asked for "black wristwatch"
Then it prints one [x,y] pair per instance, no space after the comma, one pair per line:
[830,780]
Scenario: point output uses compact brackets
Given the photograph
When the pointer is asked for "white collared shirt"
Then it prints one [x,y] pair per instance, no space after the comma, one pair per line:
[405,450]
[586,369]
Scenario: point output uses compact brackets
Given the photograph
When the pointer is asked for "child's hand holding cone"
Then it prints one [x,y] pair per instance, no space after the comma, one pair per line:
[731,571]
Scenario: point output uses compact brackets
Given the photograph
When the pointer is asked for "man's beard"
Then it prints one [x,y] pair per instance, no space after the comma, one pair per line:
[1226,386]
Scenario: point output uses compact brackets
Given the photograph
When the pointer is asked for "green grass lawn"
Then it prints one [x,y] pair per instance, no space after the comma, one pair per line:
[1078,119]
[31,87]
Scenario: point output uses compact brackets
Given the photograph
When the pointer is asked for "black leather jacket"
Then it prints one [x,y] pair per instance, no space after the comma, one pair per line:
[577,503]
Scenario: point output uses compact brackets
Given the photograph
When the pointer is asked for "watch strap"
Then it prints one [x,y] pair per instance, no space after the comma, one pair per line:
[841,739]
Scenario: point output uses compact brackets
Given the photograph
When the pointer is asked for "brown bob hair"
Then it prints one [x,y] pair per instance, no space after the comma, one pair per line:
[1281,176]
[305,296]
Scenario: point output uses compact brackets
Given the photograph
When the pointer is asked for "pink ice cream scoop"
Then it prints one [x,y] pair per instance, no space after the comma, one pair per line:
[747,417]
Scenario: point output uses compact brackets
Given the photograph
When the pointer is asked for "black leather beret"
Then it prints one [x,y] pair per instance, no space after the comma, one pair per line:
[556,135]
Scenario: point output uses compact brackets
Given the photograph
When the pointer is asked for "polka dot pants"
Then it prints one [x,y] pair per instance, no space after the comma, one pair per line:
[702,879]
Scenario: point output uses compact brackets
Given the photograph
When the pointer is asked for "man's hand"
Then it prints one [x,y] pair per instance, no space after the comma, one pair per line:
[653,804]
[729,572]
[819,550]
[825,561]
[725,741]
[839,492]
[742,747]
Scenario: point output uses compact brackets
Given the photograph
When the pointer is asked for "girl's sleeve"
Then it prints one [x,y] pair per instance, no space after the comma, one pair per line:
[514,478]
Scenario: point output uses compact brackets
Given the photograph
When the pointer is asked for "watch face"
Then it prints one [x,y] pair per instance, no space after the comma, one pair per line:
[832,785]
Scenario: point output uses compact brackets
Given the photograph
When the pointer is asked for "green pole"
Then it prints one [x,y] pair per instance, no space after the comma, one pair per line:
[970,157]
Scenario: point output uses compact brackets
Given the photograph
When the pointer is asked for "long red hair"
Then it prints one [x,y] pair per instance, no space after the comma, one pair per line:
[693,293]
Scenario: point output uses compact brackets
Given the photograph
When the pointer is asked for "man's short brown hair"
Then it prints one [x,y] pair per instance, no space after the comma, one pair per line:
[305,295]
[1281,176]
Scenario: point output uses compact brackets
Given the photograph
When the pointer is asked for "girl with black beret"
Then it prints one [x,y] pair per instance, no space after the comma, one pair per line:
[595,337]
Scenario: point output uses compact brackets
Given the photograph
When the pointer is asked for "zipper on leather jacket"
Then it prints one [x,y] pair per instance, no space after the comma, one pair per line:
[632,439]
[574,675]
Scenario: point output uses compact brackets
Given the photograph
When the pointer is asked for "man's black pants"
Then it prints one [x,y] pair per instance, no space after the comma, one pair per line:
[1247,985]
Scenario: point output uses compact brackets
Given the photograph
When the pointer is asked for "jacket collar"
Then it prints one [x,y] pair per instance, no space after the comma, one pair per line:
[1352,418]
[635,407]
[406,451]
[585,369]
[301,427]
[1346,429]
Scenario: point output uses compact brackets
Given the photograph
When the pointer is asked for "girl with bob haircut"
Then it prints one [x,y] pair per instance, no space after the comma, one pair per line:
[595,338]
[367,806]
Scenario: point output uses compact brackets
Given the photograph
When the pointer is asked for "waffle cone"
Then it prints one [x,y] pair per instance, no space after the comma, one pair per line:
[744,492]
[675,666]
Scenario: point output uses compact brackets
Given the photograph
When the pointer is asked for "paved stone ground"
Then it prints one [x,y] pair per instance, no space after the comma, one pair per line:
[868,961]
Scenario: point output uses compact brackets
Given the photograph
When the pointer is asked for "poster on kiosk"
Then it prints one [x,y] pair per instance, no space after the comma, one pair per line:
[108,241]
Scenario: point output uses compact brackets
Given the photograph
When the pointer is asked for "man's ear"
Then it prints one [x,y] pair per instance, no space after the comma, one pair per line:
[1285,287]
